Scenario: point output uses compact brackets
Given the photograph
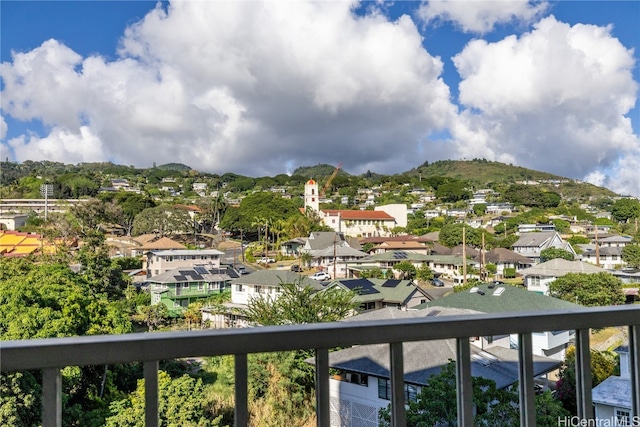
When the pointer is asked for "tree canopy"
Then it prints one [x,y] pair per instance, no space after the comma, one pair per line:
[298,303]
[552,253]
[591,290]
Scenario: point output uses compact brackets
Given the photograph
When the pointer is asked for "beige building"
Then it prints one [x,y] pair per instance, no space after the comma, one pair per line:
[158,262]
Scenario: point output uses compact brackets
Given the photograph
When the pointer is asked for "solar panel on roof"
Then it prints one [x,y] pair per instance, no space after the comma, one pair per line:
[400,255]
[390,283]
[200,270]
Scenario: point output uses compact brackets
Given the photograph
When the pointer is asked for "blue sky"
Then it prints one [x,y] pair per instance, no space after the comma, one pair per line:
[259,88]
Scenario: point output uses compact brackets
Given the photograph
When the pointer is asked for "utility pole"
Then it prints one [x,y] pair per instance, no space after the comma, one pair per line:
[482,261]
[464,255]
[597,248]
[335,237]
[241,245]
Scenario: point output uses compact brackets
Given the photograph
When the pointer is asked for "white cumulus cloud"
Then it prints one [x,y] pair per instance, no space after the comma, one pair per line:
[481,16]
[247,87]
[554,99]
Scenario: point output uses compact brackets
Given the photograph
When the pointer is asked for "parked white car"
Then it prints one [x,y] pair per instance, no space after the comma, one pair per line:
[320,275]
[266,260]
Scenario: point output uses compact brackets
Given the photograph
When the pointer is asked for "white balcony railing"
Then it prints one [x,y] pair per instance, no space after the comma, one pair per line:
[50,355]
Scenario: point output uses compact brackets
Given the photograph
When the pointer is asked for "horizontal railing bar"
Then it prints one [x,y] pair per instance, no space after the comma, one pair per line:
[111,349]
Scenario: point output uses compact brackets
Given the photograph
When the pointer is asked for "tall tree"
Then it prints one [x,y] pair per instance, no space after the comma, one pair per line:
[596,289]
[631,255]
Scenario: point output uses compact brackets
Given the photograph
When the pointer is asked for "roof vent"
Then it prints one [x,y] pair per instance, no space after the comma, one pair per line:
[433,313]
[499,291]
[480,292]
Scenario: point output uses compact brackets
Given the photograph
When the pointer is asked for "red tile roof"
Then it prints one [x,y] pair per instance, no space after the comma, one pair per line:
[350,214]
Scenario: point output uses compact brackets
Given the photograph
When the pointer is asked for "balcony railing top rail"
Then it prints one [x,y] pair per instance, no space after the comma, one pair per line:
[55,353]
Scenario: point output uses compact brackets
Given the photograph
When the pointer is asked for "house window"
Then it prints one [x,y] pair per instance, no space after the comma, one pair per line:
[200,286]
[410,393]
[622,417]
[259,289]
[185,285]
[534,281]
[213,286]
[384,389]
[239,288]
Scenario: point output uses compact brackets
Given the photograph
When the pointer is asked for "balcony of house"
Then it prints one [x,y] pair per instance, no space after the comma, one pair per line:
[51,355]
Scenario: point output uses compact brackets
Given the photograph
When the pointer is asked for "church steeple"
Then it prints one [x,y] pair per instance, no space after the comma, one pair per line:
[311,196]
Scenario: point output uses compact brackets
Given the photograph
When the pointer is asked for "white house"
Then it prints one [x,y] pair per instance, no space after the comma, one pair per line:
[612,397]
[538,277]
[398,211]
[259,284]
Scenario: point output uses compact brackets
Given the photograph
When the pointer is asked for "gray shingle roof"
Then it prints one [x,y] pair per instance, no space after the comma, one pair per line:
[558,267]
[614,391]
[425,358]
[537,239]
[276,277]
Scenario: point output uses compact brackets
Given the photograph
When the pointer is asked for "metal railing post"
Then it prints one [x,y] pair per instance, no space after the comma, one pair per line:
[322,388]
[634,368]
[464,383]
[583,375]
[51,397]
[398,414]
[151,416]
[526,385]
[241,414]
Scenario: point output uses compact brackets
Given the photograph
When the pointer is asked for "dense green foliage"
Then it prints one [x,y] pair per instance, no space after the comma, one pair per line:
[436,404]
[603,365]
[552,253]
[591,290]
[631,255]
[180,403]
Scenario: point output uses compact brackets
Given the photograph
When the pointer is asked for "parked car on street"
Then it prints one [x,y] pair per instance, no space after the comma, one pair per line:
[437,282]
[320,275]
[296,268]
[266,260]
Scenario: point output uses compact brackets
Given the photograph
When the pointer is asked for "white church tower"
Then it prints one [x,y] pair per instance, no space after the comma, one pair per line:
[311,196]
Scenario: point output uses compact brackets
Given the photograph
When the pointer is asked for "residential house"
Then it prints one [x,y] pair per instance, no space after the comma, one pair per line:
[158,262]
[609,257]
[361,386]
[612,397]
[489,298]
[259,284]
[531,244]
[538,277]
[12,221]
[180,287]
[445,265]
[504,258]
[615,241]
[332,251]
[374,294]
[406,245]
[532,228]
[292,247]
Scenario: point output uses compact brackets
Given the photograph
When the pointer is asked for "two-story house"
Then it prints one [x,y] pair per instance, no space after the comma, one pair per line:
[158,262]
[259,284]
[531,244]
[180,287]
